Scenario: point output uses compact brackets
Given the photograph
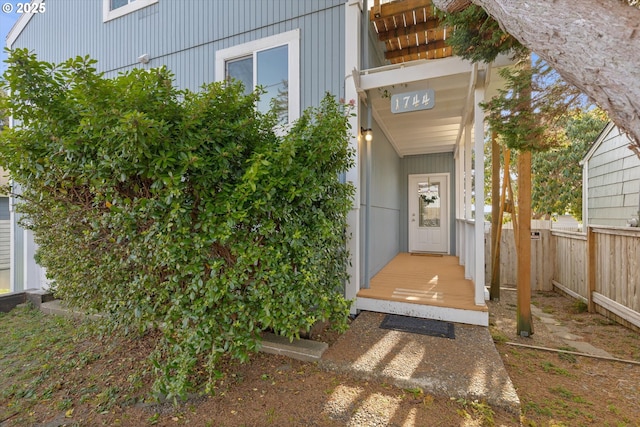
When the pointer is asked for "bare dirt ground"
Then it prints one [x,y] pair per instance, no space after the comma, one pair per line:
[563,389]
[51,377]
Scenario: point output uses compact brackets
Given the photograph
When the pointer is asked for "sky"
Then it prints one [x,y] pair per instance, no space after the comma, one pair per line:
[7,19]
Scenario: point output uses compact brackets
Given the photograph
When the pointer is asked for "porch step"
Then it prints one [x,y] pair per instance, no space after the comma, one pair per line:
[457,315]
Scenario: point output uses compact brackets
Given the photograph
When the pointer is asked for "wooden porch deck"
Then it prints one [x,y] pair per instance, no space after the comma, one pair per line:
[428,286]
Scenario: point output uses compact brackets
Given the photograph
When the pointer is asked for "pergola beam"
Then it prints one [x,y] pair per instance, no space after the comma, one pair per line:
[410,30]
[428,51]
[421,27]
[398,8]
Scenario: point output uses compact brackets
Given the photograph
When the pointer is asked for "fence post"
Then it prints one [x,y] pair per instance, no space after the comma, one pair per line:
[591,268]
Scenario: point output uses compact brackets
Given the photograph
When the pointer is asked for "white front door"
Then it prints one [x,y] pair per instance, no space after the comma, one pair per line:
[429,213]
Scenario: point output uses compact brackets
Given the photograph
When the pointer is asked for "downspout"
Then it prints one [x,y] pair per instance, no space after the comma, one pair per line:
[585,195]
[367,209]
[12,231]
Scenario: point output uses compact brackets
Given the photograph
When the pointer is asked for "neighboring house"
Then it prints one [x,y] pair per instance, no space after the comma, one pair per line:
[611,180]
[413,180]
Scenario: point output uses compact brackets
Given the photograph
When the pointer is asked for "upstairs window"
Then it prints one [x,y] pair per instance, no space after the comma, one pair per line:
[119,3]
[112,9]
[272,63]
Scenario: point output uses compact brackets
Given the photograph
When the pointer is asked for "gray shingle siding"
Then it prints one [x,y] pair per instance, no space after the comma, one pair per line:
[613,181]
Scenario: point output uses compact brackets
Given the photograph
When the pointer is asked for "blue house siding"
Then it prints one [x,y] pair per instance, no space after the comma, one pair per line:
[424,164]
[384,230]
[184,36]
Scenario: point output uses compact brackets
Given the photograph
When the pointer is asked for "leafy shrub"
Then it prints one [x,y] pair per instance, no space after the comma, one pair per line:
[177,210]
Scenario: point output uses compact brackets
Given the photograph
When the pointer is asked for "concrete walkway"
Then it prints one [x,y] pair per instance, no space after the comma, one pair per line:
[467,367]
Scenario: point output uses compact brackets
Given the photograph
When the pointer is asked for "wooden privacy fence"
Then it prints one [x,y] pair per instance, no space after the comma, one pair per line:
[600,267]
[613,274]
[570,263]
[541,253]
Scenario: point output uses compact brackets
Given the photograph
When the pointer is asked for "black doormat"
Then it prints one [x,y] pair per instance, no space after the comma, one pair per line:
[434,328]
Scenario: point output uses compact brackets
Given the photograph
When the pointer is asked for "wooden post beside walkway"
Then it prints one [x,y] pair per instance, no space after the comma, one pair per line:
[523,245]
[591,268]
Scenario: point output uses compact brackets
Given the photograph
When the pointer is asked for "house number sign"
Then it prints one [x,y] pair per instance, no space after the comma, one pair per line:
[413,101]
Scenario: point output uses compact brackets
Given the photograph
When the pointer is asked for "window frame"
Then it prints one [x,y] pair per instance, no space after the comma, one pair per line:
[108,14]
[289,38]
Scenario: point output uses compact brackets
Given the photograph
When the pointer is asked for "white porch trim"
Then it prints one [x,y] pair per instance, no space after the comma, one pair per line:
[478,120]
[457,315]
[467,259]
[412,72]
[353,13]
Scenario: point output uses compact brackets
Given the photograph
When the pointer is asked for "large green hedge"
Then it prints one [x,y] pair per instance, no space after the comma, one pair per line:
[180,211]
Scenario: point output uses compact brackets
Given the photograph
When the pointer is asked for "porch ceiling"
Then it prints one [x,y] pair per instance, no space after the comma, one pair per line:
[426,131]
[440,128]
[414,41]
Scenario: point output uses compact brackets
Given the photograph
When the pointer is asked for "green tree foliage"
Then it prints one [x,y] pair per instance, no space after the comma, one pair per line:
[478,37]
[529,111]
[184,212]
[557,174]
[4,118]
[552,122]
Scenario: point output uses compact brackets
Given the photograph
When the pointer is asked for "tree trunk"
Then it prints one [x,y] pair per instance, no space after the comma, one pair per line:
[496,219]
[523,245]
[593,45]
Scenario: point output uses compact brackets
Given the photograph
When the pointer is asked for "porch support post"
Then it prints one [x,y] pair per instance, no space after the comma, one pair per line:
[479,194]
[353,15]
[467,202]
[459,202]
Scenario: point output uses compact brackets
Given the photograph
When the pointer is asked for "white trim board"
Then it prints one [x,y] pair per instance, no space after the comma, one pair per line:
[20,25]
[598,142]
[420,70]
[616,308]
[469,317]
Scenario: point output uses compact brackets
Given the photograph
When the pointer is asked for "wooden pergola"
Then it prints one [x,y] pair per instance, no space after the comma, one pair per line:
[409,30]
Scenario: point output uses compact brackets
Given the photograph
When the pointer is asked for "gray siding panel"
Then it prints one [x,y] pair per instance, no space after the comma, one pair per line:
[4,208]
[184,35]
[384,243]
[423,164]
[5,245]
